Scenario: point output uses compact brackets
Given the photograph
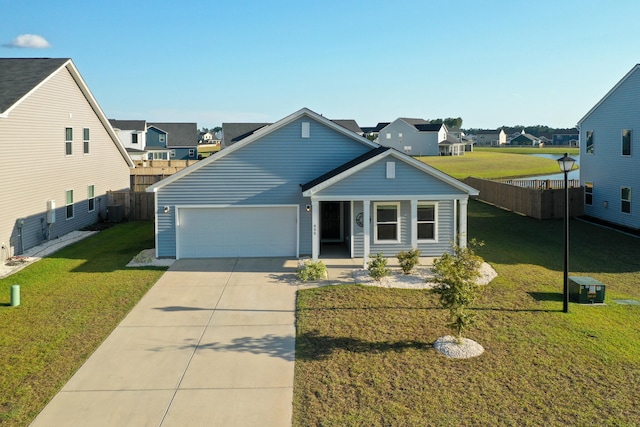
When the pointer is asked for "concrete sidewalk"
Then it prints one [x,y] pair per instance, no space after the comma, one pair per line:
[211,344]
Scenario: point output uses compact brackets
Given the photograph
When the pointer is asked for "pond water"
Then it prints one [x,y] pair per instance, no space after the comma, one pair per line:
[574,174]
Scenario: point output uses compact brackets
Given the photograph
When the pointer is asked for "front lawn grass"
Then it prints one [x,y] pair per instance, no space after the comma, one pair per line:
[70,302]
[364,355]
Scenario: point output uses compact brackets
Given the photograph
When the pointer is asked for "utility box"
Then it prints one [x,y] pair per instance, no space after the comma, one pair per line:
[586,290]
[115,213]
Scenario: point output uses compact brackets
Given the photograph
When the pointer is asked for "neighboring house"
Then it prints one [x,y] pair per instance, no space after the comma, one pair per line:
[566,139]
[74,158]
[415,137]
[234,132]
[158,141]
[490,138]
[372,132]
[180,140]
[205,138]
[302,184]
[452,146]
[610,156]
[352,125]
[525,139]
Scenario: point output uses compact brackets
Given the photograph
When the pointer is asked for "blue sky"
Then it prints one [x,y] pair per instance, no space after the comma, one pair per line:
[490,62]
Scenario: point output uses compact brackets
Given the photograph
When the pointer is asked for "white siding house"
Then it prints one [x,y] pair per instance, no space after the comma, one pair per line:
[610,156]
[59,153]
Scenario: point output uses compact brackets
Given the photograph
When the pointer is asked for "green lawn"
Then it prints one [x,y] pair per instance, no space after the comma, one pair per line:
[492,163]
[70,302]
[364,355]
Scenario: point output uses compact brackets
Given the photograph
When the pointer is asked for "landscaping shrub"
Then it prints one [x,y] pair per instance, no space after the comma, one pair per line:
[311,271]
[408,260]
[378,267]
[455,277]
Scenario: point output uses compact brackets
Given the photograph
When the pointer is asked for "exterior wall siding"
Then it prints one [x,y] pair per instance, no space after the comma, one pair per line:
[607,168]
[421,143]
[36,168]
[267,171]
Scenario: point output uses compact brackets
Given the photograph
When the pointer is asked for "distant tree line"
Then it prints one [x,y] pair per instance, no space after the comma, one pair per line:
[536,130]
[449,122]
[212,130]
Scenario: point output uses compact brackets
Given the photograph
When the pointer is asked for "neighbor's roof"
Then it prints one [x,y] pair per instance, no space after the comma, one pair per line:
[234,132]
[352,125]
[19,76]
[429,127]
[179,134]
[138,125]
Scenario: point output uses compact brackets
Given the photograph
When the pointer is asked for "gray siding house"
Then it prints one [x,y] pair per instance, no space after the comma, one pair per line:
[415,137]
[301,186]
[609,155]
[60,154]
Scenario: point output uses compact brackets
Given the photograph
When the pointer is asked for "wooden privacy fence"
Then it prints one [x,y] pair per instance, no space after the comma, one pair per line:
[138,206]
[533,202]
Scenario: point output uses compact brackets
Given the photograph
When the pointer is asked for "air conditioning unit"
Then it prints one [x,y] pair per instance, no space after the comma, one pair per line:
[115,213]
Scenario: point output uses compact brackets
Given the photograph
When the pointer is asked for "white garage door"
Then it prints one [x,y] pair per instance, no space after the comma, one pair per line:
[237,232]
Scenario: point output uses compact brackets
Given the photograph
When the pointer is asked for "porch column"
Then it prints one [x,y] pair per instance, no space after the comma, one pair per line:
[414,224]
[462,236]
[315,230]
[366,230]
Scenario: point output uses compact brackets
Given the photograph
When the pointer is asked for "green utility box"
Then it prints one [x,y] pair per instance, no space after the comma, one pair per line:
[586,290]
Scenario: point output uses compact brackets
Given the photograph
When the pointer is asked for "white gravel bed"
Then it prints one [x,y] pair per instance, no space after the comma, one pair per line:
[421,278]
[449,346]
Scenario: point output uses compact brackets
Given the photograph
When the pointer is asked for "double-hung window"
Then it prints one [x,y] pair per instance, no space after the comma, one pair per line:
[85,140]
[134,138]
[387,222]
[590,147]
[625,196]
[588,193]
[91,198]
[68,141]
[69,204]
[626,142]
[426,221]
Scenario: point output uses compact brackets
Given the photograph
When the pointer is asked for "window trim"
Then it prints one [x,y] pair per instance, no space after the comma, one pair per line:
[134,135]
[162,137]
[625,202]
[68,205]
[588,191]
[91,198]
[630,142]
[434,222]
[172,153]
[192,152]
[68,141]
[376,223]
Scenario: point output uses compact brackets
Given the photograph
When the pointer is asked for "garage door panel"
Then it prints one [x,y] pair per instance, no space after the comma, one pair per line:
[237,232]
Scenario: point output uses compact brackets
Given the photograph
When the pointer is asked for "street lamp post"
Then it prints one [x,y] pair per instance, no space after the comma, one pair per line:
[566,164]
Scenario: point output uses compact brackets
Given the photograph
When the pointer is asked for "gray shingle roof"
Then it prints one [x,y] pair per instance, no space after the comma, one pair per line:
[352,125]
[20,75]
[139,125]
[179,134]
[234,132]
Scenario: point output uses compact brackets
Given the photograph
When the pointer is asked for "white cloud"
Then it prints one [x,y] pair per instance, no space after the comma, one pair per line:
[29,41]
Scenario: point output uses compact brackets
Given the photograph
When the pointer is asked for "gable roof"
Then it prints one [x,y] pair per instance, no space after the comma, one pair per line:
[429,127]
[20,77]
[352,125]
[266,130]
[613,89]
[138,125]
[414,122]
[179,134]
[349,168]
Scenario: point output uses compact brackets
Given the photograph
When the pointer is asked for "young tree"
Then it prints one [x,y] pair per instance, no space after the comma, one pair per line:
[455,277]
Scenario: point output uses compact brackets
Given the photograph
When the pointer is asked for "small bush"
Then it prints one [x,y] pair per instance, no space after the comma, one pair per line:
[408,260]
[378,267]
[311,271]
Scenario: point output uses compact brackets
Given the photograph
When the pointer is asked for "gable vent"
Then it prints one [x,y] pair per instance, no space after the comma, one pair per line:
[306,129]
[391,170]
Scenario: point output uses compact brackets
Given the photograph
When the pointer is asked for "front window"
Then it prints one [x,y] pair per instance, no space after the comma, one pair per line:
[588,193]
[625,195]
[134,138]
[626,142]
[69,204]
[85,140]
[91,198]
[68,144]
[192,152]
[426,222]
[172,153]
[387,222]
[590,148]
[162,137]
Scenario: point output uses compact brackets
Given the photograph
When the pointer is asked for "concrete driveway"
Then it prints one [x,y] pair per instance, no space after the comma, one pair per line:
[211,344]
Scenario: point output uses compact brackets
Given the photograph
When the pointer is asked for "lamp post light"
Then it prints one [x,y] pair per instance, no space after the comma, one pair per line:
[566,164]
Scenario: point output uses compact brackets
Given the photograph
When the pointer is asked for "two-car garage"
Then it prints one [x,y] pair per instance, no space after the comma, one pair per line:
[236,231]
